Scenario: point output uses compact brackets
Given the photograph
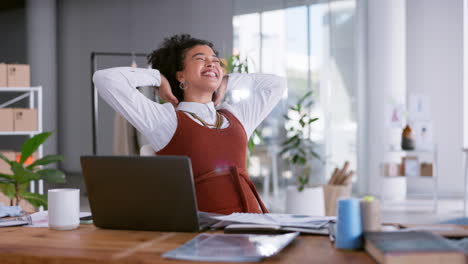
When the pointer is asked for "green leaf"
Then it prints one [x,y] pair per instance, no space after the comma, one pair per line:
[304,97]
[251,144]
[258,134]
[301,160]
[303,181]
[8,189]
[23,175]
[294,108]
[7,176]
[5,159]
[302,151]
[297,143]
[284,150]
[32,145]
[34,199]
[52,175]
[291,139]
[317,156]
[46,160]
[295,158]
[302,123]
[8,179]
[313,120]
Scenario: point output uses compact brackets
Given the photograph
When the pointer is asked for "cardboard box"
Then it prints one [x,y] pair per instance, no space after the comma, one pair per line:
[391,169]
[4,167]
[24,119]
[6,119]
[331,194]
[3,75]
[426,169]
[18,75]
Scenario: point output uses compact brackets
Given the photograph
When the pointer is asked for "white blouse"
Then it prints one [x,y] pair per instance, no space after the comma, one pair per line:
[158,122]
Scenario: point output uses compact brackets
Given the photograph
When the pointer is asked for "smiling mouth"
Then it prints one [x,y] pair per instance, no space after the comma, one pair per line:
[210,74]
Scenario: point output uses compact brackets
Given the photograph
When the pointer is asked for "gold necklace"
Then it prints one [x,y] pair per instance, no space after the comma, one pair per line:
[217,125]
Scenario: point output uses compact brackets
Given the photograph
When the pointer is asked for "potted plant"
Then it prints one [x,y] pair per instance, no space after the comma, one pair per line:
[15,185]
[298,151]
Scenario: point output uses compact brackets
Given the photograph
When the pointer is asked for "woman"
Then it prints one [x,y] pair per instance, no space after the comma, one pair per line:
[190,78]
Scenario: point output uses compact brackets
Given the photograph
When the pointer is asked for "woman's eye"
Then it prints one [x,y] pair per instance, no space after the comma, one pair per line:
[200,59]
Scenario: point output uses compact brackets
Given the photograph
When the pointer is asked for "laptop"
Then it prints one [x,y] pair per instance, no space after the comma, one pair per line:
[153,193]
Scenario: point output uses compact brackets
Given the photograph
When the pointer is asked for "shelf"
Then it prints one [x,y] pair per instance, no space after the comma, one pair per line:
[18,133]
[20,89]
[33,96]
[409,151]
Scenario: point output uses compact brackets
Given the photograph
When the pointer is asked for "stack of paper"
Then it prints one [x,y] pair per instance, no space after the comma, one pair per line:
[238,222]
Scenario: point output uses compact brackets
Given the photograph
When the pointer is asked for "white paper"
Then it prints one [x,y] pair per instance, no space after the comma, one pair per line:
[419,107]
[256,228]
[41,219]
[13,223]
[395,115]
[423,134]
[292,220]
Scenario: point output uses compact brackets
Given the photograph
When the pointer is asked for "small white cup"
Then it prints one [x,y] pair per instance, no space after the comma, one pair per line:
[64,208]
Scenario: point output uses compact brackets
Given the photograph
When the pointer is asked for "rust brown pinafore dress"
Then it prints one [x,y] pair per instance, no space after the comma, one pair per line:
[218,159]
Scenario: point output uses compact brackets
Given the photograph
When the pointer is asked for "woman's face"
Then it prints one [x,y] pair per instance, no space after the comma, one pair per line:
[202,70]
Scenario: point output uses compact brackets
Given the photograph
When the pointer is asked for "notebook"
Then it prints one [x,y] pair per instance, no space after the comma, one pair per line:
[411,247]
[143,193]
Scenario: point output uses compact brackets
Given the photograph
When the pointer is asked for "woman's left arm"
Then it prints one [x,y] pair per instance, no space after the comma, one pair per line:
[263,92]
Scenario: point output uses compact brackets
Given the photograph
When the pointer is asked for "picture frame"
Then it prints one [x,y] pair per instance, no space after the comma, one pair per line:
[410,166]
[423,135]
[419,107]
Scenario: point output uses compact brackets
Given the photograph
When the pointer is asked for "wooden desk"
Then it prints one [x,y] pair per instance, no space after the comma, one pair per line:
[89,244]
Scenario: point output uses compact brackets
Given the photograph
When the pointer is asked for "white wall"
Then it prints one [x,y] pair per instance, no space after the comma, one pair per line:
[435,67]
[120,26]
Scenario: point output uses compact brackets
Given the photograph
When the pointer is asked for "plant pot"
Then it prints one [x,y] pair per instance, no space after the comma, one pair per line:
[332,194]
[309,201]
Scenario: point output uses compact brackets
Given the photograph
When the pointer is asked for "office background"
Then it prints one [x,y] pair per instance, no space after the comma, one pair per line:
[397,48]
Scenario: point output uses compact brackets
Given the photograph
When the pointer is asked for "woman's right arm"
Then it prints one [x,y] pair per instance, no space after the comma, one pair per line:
[117,86]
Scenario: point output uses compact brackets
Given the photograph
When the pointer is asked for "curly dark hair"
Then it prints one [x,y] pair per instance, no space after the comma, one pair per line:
[169,57]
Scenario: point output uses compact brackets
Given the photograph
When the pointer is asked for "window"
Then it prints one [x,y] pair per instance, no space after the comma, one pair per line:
[313,46]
